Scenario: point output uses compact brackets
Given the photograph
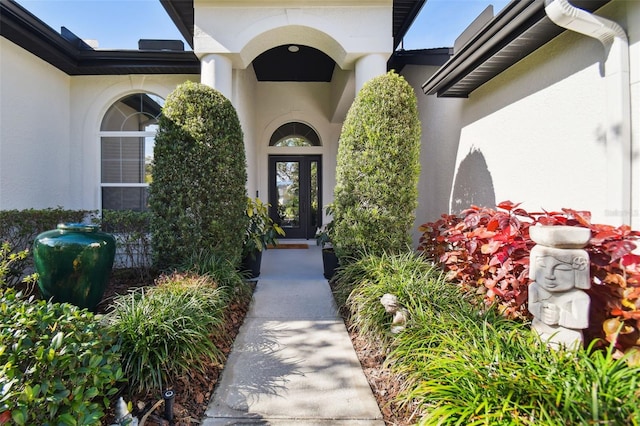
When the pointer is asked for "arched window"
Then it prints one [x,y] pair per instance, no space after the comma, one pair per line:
[294,134]
[127,136]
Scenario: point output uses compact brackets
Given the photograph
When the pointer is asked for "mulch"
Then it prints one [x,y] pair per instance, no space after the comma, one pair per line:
[193,391]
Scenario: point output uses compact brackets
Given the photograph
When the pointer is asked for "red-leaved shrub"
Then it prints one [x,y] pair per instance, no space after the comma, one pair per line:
[487,251]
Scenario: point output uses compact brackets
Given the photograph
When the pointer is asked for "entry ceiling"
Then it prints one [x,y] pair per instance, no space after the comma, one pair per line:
[293,63]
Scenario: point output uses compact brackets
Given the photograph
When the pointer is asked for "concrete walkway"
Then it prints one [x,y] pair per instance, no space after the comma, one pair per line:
[292,362]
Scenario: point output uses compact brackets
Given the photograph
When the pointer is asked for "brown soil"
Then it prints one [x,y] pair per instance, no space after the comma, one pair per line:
[194,391]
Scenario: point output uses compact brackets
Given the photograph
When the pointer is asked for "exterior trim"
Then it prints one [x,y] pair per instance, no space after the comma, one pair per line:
[404,12]
[518,30]
[72,56]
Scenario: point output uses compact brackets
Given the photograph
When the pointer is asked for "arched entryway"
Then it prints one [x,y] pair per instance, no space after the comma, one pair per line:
[295,190]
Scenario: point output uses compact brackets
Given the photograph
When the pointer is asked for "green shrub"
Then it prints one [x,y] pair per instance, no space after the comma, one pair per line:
[261,229]
[198,194]
[166,330]
[486,251]
[133,236]
[464,368]
[19,229]
[377,170]
[456,365]
[417,284]
[58,364]
[221,271]
[7,261]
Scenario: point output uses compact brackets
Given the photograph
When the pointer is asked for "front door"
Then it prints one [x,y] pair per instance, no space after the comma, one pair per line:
[295,194]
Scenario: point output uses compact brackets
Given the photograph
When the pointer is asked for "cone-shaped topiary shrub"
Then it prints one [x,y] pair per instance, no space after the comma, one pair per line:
[378,167]
[198,193]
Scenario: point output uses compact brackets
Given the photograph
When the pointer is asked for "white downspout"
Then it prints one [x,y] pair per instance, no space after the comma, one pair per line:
[617,85]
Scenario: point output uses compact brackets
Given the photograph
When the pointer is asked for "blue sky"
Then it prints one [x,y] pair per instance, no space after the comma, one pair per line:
[119,24]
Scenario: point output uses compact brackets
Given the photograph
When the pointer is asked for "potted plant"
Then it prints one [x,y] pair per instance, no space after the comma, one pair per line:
[261,231]
[323,239]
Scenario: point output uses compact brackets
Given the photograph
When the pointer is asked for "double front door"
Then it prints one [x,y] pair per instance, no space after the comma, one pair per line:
[295,194]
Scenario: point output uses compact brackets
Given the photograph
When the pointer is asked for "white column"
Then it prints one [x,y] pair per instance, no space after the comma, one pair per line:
[216,71]
[368,67]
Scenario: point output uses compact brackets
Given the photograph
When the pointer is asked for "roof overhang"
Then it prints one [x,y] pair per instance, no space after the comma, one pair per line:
[425,57]
[404,13]
[519,29]
[72,56]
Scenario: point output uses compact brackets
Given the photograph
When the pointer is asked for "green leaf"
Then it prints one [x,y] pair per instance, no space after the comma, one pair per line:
[19,417]
[57,340]
[28,392]
[67,419]
[91,393]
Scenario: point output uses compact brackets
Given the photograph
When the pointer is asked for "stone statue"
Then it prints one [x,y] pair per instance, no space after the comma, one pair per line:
[391,306]
[560,270]
[122,415]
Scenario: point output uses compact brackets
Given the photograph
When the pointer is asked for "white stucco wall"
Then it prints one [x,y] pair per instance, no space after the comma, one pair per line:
[539,127]
[534,134]
[244,101]
[244,29]
[49,132]
[34,132]
[91,97]
[632,24]
[309,103]
[440,121]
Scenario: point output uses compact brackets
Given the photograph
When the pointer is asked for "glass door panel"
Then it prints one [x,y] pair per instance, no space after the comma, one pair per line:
[316,208]
[295,194]
[288,186]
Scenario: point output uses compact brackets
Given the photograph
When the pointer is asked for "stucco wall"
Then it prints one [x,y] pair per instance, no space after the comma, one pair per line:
[49,137]
[243,30]
[91,97]
[34,132]
[534,134]
[632,24]
[440,121]
[244,102]
[538,126]
[310,103]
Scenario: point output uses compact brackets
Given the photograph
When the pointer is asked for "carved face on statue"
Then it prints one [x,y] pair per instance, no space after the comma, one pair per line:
[557,275]
[559,270]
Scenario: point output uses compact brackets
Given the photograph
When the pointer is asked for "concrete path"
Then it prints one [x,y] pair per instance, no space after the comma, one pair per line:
[292,362]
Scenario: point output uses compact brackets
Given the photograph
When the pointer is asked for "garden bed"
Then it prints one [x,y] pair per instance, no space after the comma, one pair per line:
[194,391]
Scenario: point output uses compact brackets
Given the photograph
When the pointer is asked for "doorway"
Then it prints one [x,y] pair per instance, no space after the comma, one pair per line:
[295,194]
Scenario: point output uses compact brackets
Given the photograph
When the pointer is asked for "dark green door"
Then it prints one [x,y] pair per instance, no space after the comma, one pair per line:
[295,193]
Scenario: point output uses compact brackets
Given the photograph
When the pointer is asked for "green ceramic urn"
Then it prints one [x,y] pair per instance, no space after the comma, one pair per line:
[73,263]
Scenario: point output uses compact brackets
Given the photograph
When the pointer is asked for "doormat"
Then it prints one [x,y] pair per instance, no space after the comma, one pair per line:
[288,246]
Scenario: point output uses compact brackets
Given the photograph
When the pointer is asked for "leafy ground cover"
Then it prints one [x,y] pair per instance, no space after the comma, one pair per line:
[193,390]
[486,251]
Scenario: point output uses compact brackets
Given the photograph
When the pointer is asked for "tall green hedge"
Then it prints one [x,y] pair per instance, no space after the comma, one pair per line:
[378,167]
[198,193]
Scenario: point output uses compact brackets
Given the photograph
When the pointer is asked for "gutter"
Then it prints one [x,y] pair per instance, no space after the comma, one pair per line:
[617,79]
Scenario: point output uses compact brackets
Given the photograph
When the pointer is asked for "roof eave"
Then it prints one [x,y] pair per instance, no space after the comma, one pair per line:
[404,22]
[519,29]
[182,14]
[24,29]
